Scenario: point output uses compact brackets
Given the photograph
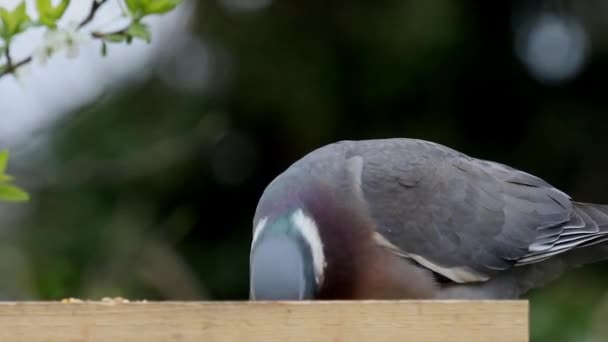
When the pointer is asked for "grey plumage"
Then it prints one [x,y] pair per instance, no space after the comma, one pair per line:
[494,231]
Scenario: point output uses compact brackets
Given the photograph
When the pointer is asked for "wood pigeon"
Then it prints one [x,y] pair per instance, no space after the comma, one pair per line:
[412,219]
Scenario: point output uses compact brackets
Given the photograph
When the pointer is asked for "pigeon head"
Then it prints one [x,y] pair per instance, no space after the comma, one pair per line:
[287,259]
[309,235]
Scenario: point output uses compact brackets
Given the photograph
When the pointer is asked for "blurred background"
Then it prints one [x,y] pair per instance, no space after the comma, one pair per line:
[145,167]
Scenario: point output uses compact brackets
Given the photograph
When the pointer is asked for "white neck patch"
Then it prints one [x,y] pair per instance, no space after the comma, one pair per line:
[258,229]
[310,232]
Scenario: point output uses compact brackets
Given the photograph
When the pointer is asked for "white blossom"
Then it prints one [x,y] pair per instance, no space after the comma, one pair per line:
[56,40]
[74,39]
[50,44]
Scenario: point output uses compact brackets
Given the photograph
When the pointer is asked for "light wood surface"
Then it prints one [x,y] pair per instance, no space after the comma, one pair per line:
[372,321]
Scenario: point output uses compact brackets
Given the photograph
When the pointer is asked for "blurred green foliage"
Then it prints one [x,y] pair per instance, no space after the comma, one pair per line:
[149,192]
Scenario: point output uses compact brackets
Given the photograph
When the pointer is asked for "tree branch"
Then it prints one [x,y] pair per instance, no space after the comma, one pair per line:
[11,68]
[7,53]
[94,8]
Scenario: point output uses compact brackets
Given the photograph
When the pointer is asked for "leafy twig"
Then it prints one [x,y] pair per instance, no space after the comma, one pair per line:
[49,15]
[10,68]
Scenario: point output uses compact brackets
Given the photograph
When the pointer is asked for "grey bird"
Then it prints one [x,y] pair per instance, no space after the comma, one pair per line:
[412,219]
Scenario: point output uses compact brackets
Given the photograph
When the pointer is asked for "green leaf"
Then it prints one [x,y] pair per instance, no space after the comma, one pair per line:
[12,193]
[141,8]
[139,30]
[104,48]
[3,160]
[13,23]
[44,6]
[132,5]
[9,192]
[49,14]
[4,178]
[159,6]
[59,10]
[47,22]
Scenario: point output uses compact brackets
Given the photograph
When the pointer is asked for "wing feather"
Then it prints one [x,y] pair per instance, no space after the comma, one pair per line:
[458,212]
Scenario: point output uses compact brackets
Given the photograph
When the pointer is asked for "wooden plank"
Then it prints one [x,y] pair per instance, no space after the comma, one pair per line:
[279,321]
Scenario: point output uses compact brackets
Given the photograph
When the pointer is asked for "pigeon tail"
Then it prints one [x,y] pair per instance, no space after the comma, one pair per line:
[582,242]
